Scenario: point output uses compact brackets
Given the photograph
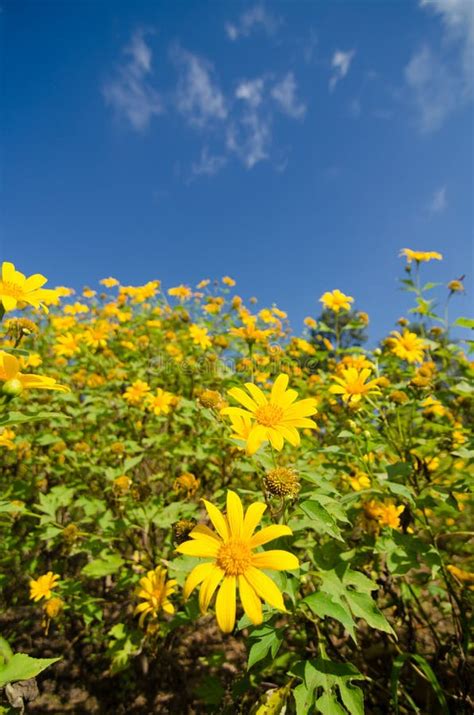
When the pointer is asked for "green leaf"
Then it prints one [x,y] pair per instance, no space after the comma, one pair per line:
[23,667]
[334,679]
[323,606]
[105,565]
[268,640]
[465,323]
[322,520]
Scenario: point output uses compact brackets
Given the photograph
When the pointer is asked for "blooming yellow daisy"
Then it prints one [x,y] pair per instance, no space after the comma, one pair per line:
[155,591]
[352,386]
[182,292]
[109,282]
[12,377]
[160,402]
[407,346]
[16,289]
[136,392]
[43,586]
[200,336]
[275,418]
[420,256]
[336,300]
[235,562]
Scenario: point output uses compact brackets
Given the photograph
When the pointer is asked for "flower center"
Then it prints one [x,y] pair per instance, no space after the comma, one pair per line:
[234,557]
[11,289]
[269,415]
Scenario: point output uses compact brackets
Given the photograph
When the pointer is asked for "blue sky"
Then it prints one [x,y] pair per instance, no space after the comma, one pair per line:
[296,146]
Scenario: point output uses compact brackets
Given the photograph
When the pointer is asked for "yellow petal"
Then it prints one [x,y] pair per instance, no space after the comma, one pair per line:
[218,519]
[238,394]
[34,282]
[256,393]
[269,533]
[225,605]
[279,387]
[197,576]
[208,587]
[265,588]
[203,549]
[250,601]
[256,436]
[275,559]
[201,531]
[235,513]
[252,518]
[276,439]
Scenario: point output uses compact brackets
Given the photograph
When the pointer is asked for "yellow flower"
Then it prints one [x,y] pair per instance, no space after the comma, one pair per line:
[53,607]
[136,392]
[275,418]
[109,282]
[357,361]
[43,586]
[461,574]
[16,290]
[352,385]
[385,514]
[420,256]
[310,323]
[228,281]
[407,346]
[188,483]
[33,360]
[359,481]
[456,286]
[88,293]
[17,381]
[250,332]
[7,436]
[235,562]
[155,591]
[161,402]
[200,336]
[182,292]
[433,407]
[203,284]
[122,483]
[336,301]
[67,345]
[76,308]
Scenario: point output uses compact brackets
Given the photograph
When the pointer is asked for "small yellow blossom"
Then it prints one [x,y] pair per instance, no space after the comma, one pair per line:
[420,256]
[407,346]
[155,592]
[16,290]
[136,392]
[43,586]
[200,336]
[336,301]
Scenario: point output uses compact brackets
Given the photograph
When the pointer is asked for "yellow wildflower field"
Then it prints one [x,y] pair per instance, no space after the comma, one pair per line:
[203,512]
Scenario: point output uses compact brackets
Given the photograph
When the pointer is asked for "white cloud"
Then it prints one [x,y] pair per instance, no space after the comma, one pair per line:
[251,91]
[252,19]
[434,89]
[198,96]
[249,135]
[129,93]
[341,62]
[438,202]
[208,164]
[441,82]
[284,93]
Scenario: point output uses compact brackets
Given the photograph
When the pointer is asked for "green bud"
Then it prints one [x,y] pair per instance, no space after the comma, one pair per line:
[12,388]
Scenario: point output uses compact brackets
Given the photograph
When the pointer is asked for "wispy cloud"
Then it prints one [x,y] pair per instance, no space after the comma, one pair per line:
[254,18]
[209,164]
[198,96]
[249,134]
[440,82]
[438,202]
[340,63]
[284,93]
[129,92]
[251,91]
